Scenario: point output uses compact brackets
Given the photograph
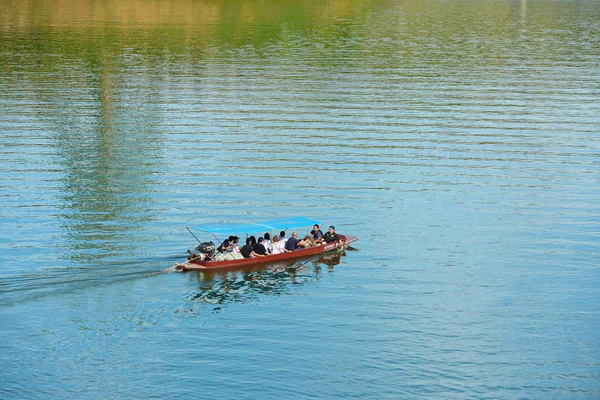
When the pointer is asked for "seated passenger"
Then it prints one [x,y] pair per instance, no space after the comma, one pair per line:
[248,251]
[278,246]
[235,248]
[267,243]
[282,238]
[259,248]
[314,238]
[331,236]
[292,243]
[253,240]
[226,245]
[276,243]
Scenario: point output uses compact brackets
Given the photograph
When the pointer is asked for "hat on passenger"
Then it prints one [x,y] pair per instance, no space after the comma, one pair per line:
[332,227]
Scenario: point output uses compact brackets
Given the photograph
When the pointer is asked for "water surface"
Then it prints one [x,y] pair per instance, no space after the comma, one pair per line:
[459,140]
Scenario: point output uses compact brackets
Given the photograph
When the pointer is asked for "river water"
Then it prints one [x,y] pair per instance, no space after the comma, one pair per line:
[459,140]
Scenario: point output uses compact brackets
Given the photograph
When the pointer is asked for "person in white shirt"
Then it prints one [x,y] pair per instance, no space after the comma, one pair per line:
[267,243]
[278,245]
[282,238]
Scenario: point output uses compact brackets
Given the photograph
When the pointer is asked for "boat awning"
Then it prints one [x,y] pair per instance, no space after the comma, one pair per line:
[255,227]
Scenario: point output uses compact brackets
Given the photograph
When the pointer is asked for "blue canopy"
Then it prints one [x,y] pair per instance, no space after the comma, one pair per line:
[243,229]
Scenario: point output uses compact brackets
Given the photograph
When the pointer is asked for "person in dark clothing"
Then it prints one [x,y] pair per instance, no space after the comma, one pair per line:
[331,236]
[314,238]
[259,248]
[248,250]
[226,245]
[293,242]
[316,233]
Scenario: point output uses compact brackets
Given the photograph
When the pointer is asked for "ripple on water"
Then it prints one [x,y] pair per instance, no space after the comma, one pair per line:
[460,142]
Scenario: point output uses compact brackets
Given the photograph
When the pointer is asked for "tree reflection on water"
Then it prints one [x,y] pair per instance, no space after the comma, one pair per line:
[242,286]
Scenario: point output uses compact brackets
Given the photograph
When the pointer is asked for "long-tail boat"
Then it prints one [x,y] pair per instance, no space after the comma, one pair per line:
[202,263]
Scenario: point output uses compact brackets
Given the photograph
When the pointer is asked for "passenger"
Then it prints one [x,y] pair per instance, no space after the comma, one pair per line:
[281,246]
[259,248]
[331,236]
[235,248]
[282,238]
[276,243]
[293,242]
[247,251]
[314,238]
[226,245]
[268,244]
[317,234]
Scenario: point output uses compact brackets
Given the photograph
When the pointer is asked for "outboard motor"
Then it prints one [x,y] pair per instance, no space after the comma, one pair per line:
[207,250]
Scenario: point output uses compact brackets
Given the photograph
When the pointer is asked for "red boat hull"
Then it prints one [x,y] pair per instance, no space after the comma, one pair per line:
[196,265]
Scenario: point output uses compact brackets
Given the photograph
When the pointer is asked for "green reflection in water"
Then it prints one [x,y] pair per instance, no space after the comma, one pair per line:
[373,34]
[104,127]
[94,69]
[109,160]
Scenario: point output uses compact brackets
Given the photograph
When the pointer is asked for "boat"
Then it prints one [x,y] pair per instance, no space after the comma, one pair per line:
[198,264]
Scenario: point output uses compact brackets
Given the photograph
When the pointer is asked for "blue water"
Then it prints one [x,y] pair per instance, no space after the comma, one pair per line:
[460,142]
